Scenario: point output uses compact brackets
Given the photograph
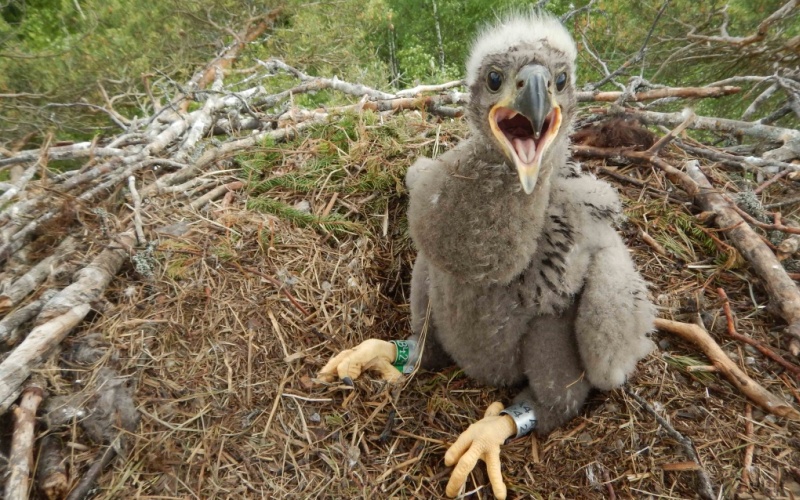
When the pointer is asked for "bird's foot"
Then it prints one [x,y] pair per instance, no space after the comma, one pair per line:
[371,355]
[482,440]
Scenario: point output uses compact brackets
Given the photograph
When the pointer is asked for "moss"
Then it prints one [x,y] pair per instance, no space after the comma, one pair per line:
[681,234]
[332,223]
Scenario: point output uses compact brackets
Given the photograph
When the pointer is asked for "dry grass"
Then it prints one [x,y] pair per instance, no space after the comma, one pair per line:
[223,358]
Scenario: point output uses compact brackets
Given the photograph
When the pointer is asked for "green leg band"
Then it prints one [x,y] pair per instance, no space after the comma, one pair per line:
[406,356]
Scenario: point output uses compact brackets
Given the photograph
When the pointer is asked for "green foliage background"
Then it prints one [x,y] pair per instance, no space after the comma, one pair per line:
[62,51]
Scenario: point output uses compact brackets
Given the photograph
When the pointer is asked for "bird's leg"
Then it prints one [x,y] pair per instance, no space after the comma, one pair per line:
[482,440]
[371,355]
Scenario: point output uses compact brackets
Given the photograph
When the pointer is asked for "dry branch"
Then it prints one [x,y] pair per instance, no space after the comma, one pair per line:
[761,31]
[91,281]
[661,93]
[747,463]
[137,211]
[51,472]
[39,344]
[86,483]
[255,28]
[35,276]
[65,310]
[732,372]
[790,139]
[20,458]
[743,162]
[9,325]
[780,287]
[79,150]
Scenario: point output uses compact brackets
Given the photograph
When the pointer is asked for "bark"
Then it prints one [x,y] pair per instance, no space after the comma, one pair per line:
[35,276]
[20,458]
[91,281]
[780,287]
[790,139]
[9,325]
[684,92]
[39,344]
[51,472]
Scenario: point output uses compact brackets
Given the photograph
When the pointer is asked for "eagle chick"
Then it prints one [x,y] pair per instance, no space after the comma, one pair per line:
[527,282]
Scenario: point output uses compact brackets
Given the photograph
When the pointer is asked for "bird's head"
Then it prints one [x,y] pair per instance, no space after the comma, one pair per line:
[521,78]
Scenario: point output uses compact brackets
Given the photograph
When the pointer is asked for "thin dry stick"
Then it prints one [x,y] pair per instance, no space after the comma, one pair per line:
[652,243]
[776,226]
[28,282]
[772,180]
[748,451]
[686,92]
[277,284]
[20,459]
[658,146]
[766,351]
[137,211]
[729,369]
[706,489]
[216,193]
[87,481]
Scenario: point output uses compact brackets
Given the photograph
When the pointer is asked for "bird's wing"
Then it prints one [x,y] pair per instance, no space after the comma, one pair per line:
[613,318]
[419,169]
[614,313]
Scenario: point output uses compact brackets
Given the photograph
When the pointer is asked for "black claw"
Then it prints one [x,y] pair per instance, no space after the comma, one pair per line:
[348,381]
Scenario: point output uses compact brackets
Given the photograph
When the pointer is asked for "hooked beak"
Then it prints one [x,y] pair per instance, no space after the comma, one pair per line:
[526,122]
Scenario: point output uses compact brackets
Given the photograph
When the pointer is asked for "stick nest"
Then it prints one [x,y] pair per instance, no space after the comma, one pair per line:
[221,323]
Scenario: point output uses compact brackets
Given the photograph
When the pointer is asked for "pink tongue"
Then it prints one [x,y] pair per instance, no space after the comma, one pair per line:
[525,148]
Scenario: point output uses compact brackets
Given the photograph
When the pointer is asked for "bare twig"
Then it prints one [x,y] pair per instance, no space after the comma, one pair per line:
[706,489]
[137,211]
[761,32]
[746,385]
[766,351]
[783,203]
[35,276]
[789,138]
[666,139]
[660,93]
[747,463]
[231,53]
[775,226]
[638,56]
[86,483]
[751,163]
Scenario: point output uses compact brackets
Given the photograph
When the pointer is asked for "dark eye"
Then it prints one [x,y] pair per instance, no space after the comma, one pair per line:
[494,80]
[561,81]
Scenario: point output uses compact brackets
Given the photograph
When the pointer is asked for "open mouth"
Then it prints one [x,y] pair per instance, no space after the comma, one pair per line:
[515,132]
